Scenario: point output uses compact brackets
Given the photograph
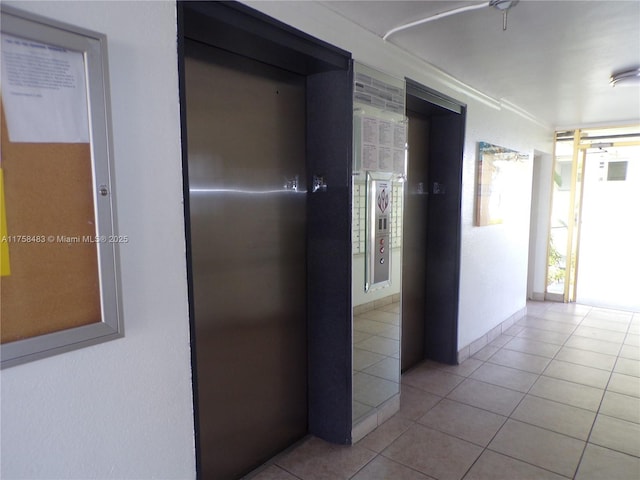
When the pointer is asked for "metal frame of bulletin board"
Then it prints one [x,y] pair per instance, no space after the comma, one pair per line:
[59,282]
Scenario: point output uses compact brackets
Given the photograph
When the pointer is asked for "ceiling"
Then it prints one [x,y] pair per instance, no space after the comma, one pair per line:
[554,60]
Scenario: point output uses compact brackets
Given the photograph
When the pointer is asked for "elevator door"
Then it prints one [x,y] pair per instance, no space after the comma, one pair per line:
[431,227]
[414,253]
[246,148]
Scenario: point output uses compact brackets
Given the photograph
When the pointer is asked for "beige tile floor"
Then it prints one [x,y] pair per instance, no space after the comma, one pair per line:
[557,397]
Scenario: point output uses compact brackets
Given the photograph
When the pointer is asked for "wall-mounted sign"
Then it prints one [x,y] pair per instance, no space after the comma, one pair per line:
[380,126]
[383,145]
[44,92]
[498,170]
[59,285]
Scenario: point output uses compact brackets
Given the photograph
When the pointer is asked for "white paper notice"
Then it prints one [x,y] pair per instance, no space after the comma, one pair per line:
[43,92]
[370,157]
[398,161]
[383,145]
[385,159]
[370,130]
[385,137]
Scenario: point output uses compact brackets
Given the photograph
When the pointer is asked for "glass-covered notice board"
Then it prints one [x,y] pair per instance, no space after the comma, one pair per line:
[59,287]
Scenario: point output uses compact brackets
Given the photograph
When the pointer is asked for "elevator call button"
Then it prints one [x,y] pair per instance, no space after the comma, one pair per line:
[382,214]
[379,223]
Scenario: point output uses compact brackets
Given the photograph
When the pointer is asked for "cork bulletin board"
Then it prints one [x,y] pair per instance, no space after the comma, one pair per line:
[54,282]
[59,287]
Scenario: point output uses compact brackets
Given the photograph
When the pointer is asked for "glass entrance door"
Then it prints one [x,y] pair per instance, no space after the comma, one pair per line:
[565,212]
[594,232]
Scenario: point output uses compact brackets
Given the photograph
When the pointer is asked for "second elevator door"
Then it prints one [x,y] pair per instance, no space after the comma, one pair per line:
[414,254]
[246,144]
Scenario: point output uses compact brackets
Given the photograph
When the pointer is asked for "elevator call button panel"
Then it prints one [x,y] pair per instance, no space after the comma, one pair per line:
[378,245]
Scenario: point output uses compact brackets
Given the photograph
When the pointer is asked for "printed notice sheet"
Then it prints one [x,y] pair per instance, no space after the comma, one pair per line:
[383,145]
[43,92]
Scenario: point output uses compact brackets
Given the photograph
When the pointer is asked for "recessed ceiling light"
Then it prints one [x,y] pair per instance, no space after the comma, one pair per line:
[626,77]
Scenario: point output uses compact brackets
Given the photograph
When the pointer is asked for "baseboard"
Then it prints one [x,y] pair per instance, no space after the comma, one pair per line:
[367,307]
[481,342]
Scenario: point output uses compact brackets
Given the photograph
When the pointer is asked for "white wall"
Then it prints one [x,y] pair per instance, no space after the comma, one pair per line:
[493,280]
[494,266]
[122,409]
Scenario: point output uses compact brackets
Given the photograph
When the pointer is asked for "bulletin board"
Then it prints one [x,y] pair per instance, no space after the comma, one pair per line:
[59,286]
[53,282]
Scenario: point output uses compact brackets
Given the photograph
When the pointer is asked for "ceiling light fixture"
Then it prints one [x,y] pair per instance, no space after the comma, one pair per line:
[503,5]
[625,78]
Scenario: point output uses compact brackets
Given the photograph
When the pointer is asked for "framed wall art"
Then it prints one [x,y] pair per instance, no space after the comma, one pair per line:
[498,168]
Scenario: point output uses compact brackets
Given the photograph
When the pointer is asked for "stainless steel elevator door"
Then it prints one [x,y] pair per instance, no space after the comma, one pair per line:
[246,147]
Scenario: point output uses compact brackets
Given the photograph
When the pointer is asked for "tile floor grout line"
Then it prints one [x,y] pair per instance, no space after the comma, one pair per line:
[575,382]
[415,423]
[486,447]
[458,437]
[560,403]
[493,385]
[587,366]
[365,465]
[519,460]
[620,419]
[542,374]
[575,471]
[509,417]
[561,347]
[595,418]
[379,454]
[546,429]
[604,390]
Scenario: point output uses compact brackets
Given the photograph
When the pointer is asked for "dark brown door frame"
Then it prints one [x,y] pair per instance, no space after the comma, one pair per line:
[443,223]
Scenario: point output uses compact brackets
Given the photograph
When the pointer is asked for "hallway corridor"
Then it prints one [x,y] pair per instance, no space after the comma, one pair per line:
[555,396]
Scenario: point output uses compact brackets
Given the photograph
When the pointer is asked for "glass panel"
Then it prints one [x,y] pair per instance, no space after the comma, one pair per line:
[559,231]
